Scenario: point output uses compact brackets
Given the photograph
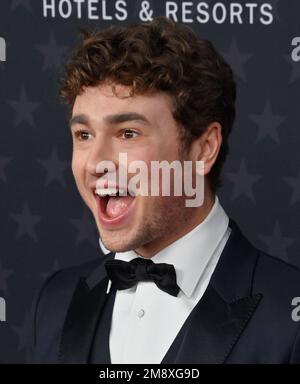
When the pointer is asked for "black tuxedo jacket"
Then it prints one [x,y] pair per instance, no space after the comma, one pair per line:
[244,315]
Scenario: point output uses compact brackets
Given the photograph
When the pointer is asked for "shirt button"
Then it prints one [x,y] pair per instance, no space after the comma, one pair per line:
[141,313]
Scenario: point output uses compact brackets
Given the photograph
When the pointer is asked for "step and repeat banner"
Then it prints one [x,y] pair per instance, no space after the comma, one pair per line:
[44,226]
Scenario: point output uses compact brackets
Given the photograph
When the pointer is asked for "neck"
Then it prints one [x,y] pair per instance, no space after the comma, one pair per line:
[151,249]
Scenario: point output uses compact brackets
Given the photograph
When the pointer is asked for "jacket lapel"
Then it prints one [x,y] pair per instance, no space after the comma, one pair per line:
[219,318]
[82,317]
[212,329]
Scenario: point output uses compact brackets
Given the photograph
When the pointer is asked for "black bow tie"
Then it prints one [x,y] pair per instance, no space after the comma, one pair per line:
[125,274]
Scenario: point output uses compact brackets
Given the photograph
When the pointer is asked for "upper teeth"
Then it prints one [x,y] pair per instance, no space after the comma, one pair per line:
[109,191]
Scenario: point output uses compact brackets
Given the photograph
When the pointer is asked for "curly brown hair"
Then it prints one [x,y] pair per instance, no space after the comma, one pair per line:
[160,55]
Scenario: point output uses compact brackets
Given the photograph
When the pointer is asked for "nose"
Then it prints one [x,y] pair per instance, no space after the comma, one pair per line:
[100,151]
[101,158]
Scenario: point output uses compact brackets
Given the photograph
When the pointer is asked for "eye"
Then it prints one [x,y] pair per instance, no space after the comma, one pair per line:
[129,134]
[82,135]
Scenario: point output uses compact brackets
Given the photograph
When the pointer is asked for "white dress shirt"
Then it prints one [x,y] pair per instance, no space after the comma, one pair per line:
[145,319]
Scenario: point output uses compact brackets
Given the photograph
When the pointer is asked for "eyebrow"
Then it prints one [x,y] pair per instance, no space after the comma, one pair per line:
[112,119]
[78,119]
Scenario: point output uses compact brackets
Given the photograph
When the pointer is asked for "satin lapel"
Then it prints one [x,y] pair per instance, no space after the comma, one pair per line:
[81,322]
[214,328]
[219,318]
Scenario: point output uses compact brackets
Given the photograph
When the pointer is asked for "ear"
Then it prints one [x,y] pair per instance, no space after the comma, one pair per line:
[207,147]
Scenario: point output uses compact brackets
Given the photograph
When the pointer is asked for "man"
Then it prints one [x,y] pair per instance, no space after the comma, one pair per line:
[178,284]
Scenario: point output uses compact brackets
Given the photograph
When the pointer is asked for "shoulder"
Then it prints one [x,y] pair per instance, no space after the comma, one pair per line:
[244,269]
[276,276]
[279,284]
[267,271]
[59,287]
[67,277]
[49,309]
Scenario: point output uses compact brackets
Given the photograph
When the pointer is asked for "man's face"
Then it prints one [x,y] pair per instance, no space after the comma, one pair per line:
[128,222]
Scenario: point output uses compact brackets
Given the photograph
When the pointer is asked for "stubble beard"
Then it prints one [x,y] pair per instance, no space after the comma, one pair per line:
[167,217]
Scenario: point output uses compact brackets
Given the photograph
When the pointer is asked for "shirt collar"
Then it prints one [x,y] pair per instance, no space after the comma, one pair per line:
[191,253]
[104,250]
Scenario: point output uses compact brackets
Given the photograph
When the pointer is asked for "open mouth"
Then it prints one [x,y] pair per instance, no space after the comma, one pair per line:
[113,205]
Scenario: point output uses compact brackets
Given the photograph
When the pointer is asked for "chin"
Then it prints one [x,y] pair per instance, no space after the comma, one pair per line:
[115,242]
